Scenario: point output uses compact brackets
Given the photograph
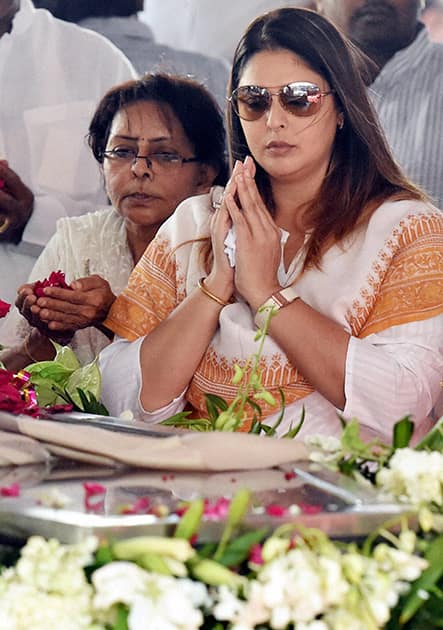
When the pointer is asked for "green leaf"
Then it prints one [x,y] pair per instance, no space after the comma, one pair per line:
[237,510]
[255,406]
[426,581]
[121,621]
[402,434]
[238,550]
[294,431]
[65,356]
[207,550]
[351,440]
[343,422]
[177,419]
[49,371]
[214,405]
[104,555]
[432,441]
[282,412]
[90,404]
[86,378]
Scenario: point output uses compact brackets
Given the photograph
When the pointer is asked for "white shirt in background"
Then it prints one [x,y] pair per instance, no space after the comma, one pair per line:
[205,26]
[52,75]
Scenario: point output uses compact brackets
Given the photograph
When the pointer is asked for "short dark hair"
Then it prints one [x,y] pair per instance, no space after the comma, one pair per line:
[192,104]
[362,169]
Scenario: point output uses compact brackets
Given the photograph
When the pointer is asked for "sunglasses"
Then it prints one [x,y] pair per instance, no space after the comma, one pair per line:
[303,99]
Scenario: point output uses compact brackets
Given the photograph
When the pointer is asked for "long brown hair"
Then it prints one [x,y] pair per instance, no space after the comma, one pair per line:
[362,171]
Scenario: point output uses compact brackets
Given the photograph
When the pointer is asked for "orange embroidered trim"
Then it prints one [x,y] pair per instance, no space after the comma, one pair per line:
[215,374]
[150,295]
[407,280]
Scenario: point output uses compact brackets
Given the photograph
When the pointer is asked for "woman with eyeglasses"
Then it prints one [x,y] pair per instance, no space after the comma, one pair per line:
[159,140]
[317,223]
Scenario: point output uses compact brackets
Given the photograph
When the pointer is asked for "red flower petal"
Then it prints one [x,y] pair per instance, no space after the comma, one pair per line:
[276,510]
[10,491]
[4,307]
[55,279]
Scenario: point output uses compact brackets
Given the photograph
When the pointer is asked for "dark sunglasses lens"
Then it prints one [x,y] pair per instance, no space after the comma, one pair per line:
[301,99]
[250,102]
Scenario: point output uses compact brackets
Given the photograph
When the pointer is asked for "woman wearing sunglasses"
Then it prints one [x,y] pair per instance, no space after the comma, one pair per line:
[318,223]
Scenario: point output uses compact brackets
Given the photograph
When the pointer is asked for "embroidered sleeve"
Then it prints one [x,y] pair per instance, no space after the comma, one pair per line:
[412,287]
[150,295]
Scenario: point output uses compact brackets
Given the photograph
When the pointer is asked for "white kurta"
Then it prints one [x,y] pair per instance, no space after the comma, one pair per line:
[52,75]
[391,371]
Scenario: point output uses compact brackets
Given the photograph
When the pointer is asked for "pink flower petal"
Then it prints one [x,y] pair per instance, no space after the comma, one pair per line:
[10,491]
[276,510]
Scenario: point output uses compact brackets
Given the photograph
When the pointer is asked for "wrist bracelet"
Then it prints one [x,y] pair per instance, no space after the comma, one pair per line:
[27,351]
[203,289]
[278,300]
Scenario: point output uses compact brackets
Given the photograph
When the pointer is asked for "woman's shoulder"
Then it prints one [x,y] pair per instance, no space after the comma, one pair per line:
[106,218]
[406,214]
[191,218]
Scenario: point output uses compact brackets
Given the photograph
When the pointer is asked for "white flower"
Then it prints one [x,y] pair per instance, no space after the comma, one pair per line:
[168,603]
[413,477]
[300,586]
[324,448]
[48,588]
[127,415]
[54,498]
[53,567]
[244,615]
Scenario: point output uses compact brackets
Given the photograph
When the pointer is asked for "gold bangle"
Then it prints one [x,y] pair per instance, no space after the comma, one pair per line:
[4,225]
[203,289]
[27,351]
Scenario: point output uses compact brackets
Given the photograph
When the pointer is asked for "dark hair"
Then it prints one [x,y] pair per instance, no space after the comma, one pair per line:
[191,103]
[362,171]
[77,10]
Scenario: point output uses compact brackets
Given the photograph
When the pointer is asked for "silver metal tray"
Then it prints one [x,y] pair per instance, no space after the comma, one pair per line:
[326,500]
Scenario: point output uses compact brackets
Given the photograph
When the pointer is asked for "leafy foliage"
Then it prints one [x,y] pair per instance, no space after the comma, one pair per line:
[224,416]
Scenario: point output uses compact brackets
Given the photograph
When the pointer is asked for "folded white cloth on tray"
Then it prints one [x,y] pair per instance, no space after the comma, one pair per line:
[187,451]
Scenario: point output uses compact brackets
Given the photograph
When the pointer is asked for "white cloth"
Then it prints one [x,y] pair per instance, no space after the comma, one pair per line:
[211,28]
[94,243]
[52,74]
[137,41]
[408,97]
[389,374]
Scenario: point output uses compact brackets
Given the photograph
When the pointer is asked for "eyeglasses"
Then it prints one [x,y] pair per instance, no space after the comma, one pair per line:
[304,99]
[160,162]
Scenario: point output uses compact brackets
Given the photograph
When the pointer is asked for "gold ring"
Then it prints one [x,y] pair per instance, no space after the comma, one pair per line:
[5,225]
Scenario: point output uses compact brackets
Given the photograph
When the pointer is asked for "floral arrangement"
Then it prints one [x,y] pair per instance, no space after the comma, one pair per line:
[294,578]
[291,578]
[51,386]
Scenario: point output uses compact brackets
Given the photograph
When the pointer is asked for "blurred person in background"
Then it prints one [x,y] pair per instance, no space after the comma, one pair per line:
[52,75]
[432,17]
[118,21]
[207,26]
[407,82]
